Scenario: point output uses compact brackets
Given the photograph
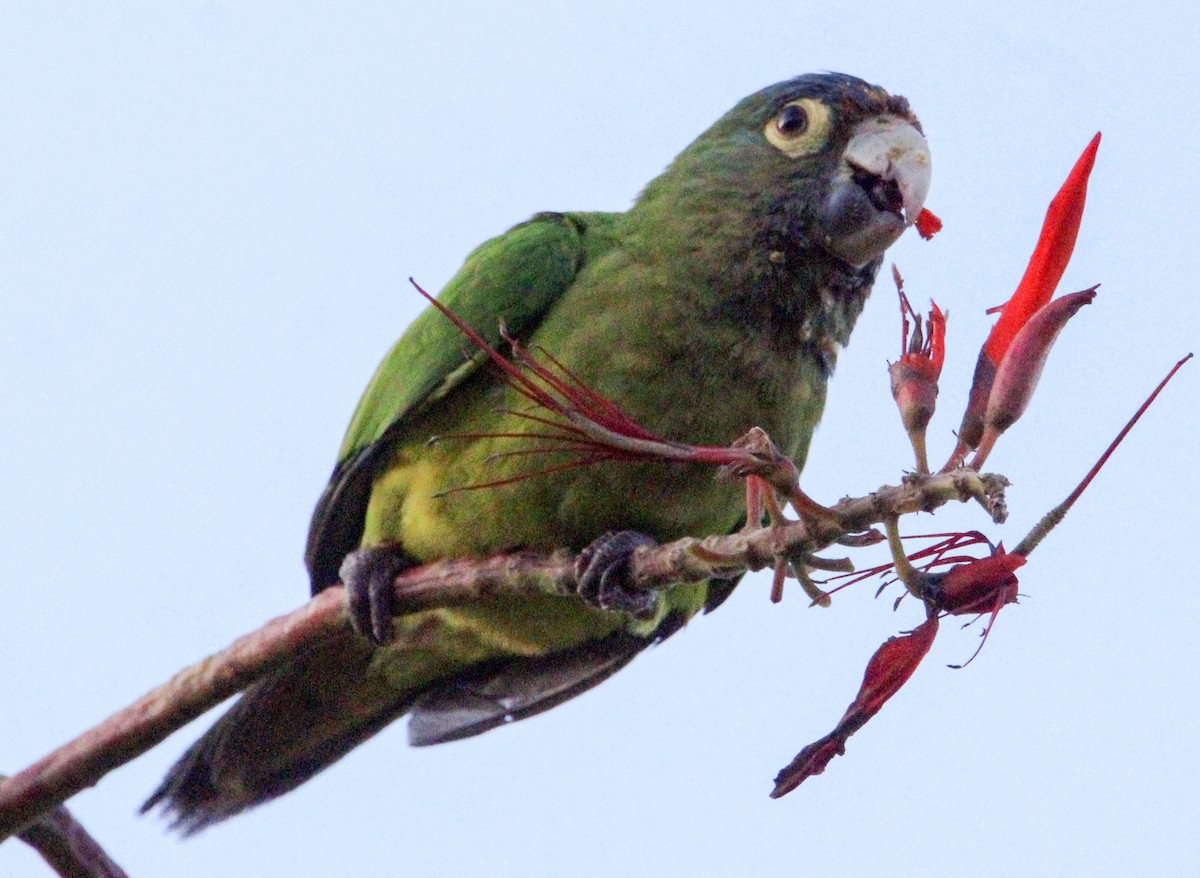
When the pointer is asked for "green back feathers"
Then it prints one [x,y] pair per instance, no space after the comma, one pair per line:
[511,278]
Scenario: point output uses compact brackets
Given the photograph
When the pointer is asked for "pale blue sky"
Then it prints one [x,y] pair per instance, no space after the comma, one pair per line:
[207,215]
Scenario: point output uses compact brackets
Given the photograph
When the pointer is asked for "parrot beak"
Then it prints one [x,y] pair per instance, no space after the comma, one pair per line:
[878,191]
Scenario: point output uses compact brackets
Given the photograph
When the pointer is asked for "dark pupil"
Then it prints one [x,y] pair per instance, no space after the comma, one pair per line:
[792,121]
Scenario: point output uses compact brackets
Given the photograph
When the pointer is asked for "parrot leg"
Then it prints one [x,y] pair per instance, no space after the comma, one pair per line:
[368,575]
[602,570]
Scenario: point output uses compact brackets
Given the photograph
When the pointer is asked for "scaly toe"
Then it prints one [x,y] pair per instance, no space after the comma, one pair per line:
[368,575]
[602,572]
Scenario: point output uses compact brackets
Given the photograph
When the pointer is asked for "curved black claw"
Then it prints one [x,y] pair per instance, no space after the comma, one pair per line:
[368,575]
[602,572]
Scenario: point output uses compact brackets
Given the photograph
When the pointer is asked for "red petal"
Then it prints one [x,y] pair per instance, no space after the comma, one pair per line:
[928,224]
[937,333]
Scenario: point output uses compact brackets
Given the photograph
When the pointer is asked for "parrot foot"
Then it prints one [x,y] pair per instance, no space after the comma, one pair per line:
[368,575]
[602,572]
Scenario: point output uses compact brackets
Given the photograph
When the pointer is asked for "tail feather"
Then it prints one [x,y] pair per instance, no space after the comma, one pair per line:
[281,731]
[305,716]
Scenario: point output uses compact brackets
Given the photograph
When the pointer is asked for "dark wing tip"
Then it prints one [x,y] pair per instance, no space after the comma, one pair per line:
[470,705]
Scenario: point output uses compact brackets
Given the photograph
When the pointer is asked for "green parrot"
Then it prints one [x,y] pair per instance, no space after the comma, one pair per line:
[716,303]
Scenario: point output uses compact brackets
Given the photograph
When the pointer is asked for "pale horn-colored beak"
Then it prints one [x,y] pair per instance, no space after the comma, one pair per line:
[879,189]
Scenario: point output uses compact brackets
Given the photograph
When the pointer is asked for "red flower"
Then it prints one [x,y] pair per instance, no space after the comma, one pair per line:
[975,587]
[1050,256]
[1045,269]
[981,585]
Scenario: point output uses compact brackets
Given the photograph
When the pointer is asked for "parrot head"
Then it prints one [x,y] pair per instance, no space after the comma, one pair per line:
[877,153]
[794,194]
[826,160]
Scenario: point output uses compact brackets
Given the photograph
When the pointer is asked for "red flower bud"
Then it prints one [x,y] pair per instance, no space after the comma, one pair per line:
[915,392]
[1018,375]
[1050,256]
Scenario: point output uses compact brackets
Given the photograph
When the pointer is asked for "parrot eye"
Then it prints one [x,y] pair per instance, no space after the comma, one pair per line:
[799,128]
[792,121]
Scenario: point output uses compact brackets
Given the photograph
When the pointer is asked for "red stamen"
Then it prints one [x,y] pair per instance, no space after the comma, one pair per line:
[520,477]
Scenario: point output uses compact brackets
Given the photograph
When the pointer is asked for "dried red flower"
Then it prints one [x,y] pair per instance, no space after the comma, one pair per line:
[888,670]
[915,375]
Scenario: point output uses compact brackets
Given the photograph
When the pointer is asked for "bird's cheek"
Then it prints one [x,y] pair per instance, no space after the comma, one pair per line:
[852,228]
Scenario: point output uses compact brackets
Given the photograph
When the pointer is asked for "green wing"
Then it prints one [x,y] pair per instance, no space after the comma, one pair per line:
[511,279]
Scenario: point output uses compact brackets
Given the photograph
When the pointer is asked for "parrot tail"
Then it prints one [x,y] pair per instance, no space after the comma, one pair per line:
[325,702]
[282,730]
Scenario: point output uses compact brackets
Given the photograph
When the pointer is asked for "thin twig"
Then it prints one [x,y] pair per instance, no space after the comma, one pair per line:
[67,847]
